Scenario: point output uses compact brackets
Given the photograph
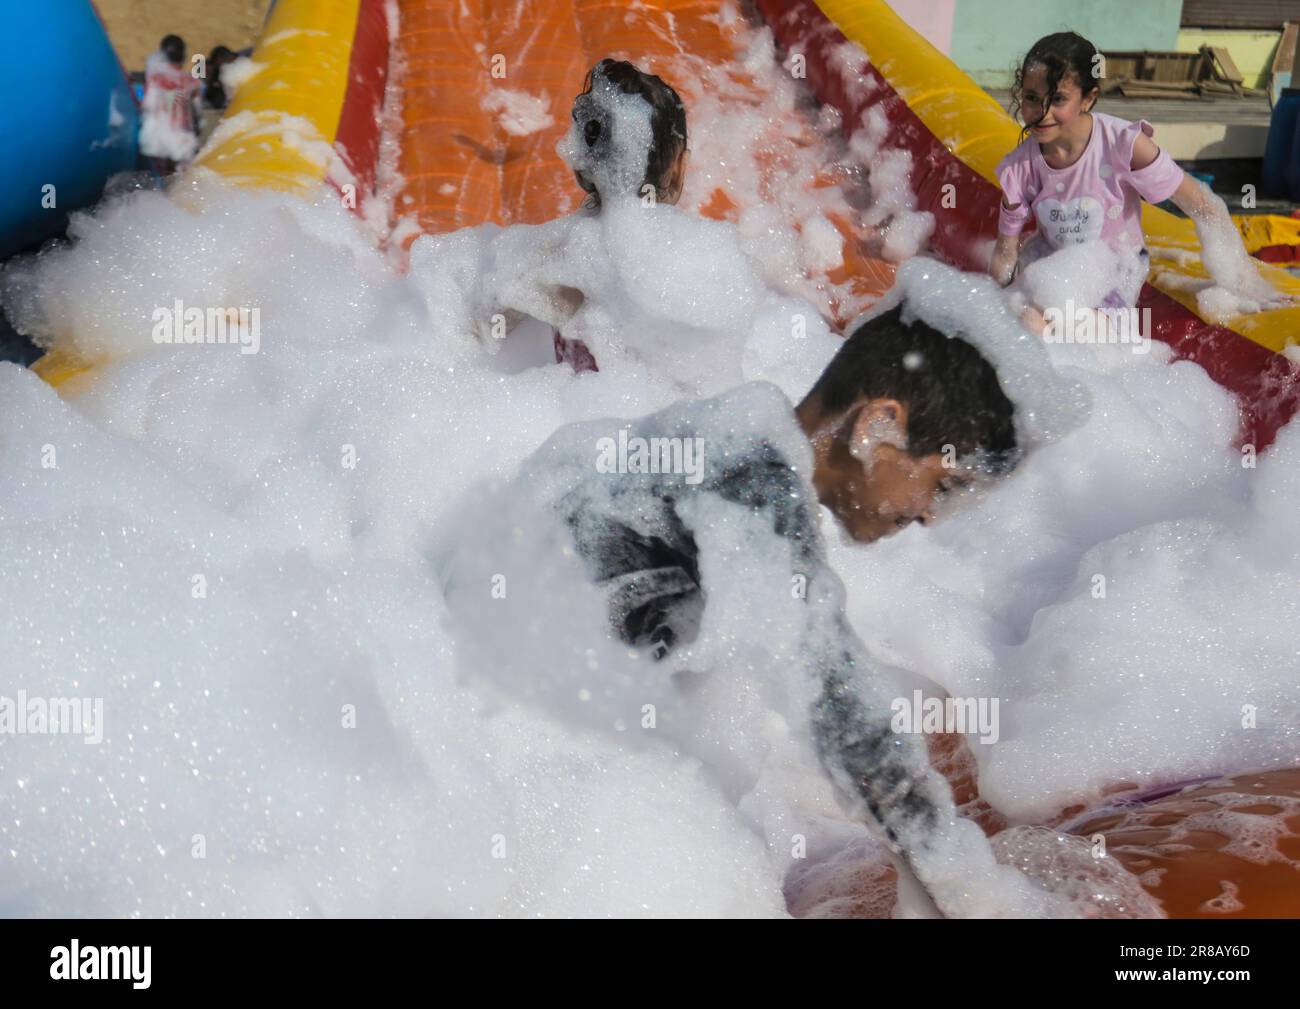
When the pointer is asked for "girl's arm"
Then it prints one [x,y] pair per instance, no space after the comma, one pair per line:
[1015,179]
[1006,251]
[1223,255]
[1192,196]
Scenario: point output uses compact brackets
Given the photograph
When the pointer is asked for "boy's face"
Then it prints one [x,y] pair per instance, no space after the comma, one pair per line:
[900,489]
[871,482]
[1060,112]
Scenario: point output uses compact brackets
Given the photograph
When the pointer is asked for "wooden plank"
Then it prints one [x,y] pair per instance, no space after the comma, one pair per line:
[1169,85]
[1285,54]
[1257,15]
[1139,89]
[1157,67]
[1218,89]
[1227,69]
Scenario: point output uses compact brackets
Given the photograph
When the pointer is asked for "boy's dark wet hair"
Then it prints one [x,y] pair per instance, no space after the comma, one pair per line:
[214,92]
[173,47]
[667,124]
[1066,56]
[951,392]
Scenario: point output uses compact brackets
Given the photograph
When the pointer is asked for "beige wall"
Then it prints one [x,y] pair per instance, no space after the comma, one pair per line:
[135,26]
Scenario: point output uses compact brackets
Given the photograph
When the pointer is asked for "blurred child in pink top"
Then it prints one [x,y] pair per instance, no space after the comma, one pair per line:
[167,134]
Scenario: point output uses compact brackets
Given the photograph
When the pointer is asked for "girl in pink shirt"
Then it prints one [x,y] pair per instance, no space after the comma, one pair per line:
[1082,176]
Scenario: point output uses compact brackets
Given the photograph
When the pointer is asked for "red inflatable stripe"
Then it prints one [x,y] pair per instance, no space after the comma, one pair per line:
[357,138]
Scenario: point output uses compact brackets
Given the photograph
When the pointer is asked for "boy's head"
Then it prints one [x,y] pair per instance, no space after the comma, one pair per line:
[173,48]
[603,138]
[214,92]
[900,416]
[1057,82]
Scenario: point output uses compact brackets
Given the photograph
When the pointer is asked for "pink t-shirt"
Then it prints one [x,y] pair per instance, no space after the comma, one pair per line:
[169,92]
[1097,197]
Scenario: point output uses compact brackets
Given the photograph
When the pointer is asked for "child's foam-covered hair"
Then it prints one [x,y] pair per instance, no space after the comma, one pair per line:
[667,126]
[1067,56]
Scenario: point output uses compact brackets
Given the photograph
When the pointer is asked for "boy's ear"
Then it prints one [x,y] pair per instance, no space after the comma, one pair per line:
[880,421]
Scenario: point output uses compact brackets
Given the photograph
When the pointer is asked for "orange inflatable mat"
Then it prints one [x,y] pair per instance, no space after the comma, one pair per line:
[459,162]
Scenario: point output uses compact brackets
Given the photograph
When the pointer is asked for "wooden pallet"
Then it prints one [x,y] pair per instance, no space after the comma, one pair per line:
[1213,75]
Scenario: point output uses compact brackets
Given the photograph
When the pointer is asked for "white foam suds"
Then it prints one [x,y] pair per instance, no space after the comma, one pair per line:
[1236,285]
[239,70]
[236,553]
[519,113]
[615,160]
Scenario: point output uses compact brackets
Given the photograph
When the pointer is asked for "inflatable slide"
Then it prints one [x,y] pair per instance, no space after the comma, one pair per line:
[400,116]
[318,117]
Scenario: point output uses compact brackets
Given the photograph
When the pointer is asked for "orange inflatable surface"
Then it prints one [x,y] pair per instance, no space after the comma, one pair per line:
[1226,848]
[461,165]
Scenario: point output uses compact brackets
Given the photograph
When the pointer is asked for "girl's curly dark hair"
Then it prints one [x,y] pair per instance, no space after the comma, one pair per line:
[1066,56]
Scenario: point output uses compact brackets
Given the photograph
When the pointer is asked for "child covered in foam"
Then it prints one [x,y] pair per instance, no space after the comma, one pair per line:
[650,162]
[1082,176]
[627,143]
[167,133]
[629,276]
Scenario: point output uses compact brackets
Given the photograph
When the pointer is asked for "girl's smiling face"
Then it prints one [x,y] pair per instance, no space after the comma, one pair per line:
[1056,115]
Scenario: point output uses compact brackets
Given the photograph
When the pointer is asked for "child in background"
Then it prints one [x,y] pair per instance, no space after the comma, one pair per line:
[214,91]
[167,133]
[215,98]
[598,147]
[661,165]
[1083,176]
[627,148]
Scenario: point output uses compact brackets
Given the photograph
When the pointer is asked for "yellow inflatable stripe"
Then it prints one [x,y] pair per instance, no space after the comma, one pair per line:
[966,119]
[1260,230]
[59,368]
[305,51]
